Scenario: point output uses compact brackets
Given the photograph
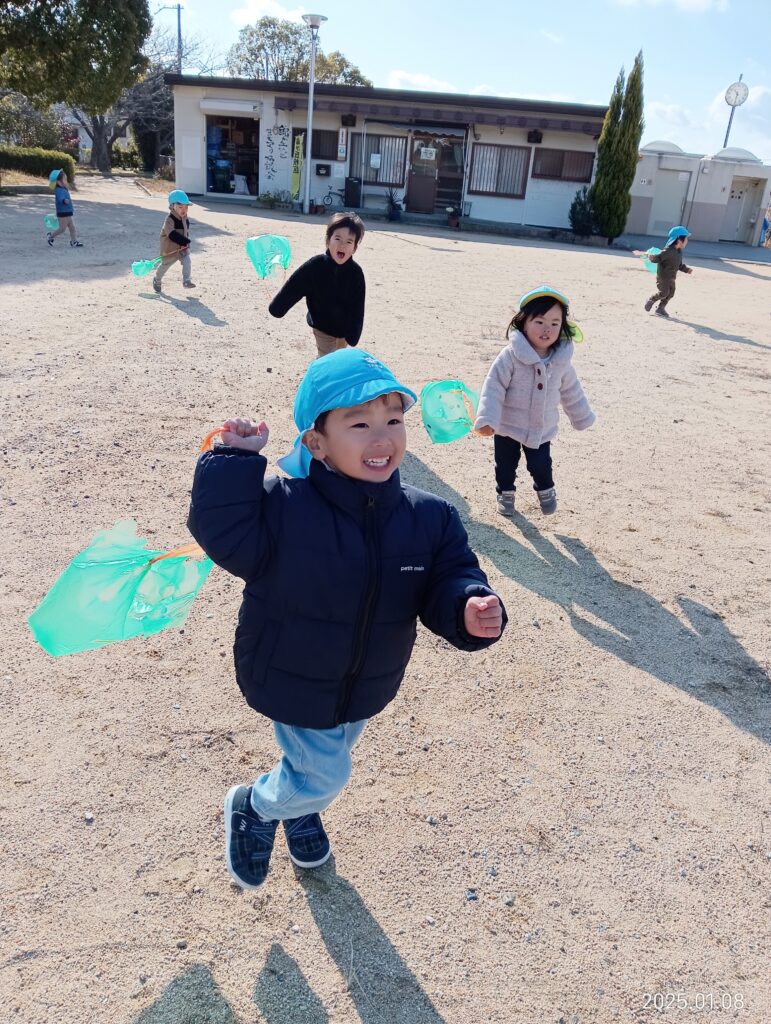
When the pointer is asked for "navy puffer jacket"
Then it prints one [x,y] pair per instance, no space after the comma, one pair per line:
[337,571]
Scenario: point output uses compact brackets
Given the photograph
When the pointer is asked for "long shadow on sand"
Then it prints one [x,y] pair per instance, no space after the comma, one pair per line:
[190,306]
[710,332]
[380,984]
[192,998]
[702,658]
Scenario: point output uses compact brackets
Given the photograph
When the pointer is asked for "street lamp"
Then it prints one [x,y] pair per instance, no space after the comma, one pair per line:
[313,21]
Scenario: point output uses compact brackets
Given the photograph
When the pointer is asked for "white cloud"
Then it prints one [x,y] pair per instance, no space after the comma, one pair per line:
[689,6]
[411,80]
[253,10]
[551,37]
[668,113]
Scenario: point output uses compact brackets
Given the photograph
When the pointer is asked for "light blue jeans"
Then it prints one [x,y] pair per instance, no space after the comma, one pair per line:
[314,768]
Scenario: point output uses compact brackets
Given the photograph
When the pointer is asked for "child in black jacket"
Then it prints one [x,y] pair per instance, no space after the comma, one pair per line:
[338,563]
[332,286]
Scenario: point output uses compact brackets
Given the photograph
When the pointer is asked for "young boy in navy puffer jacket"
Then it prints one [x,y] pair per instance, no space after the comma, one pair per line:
[338,563]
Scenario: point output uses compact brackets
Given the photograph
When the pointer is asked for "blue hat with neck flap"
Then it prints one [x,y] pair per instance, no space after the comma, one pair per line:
[340,380]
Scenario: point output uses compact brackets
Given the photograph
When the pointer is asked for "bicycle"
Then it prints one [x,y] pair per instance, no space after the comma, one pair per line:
[331,192]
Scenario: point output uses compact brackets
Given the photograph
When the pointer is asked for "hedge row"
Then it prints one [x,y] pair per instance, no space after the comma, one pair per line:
[38,162]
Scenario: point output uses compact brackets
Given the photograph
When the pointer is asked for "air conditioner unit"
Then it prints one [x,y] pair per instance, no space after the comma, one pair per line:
[535,136]
[348,120]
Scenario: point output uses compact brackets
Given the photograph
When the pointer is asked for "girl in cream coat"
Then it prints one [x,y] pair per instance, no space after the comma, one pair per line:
[523,391]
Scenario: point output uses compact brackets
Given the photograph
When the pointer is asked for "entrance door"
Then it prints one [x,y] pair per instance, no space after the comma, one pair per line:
[729,231]
[668,201]
[423,175]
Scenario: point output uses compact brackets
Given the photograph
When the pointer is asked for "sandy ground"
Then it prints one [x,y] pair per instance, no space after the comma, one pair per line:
[555,831]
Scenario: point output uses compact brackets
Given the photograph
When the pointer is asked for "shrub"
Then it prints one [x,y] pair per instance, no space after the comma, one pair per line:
[582,214]
[167,172]
[38,162]
[128,159]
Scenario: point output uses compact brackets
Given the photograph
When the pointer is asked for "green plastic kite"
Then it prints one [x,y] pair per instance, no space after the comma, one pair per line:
[117,589]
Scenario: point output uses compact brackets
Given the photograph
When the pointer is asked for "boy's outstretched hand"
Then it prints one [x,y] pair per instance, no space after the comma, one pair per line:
[483,617]
[242,433]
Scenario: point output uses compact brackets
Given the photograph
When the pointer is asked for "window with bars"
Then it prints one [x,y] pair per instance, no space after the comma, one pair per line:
[324,143]
[392,150]
[499,170]
[563,165]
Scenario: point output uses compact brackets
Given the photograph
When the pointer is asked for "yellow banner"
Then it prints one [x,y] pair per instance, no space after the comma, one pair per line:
[297,165]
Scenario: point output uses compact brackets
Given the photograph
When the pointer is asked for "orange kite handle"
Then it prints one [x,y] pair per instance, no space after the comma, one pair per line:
[206,444]
[186,551]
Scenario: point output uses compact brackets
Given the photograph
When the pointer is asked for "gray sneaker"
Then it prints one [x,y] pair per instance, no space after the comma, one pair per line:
[188,284]
[156,287]
[505,503]
[662,312]
[649,305]
[548,500]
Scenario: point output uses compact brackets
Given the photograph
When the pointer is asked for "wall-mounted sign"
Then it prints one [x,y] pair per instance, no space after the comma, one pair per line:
[428,153]
[374,161]
[342,143]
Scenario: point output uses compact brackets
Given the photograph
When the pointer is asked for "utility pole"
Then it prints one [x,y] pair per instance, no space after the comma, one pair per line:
[178,9]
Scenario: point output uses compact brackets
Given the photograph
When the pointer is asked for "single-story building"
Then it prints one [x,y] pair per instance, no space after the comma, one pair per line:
[720,198]
[497,159]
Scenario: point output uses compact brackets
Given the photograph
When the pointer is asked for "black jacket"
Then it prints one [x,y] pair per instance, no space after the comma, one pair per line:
[334,295]
[669,261]
[337,571]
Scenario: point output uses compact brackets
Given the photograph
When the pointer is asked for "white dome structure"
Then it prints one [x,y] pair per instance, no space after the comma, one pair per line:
[661,146]
[737,156]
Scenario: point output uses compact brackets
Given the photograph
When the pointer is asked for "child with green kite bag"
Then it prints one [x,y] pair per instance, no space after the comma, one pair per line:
[332,285]
[327,624]
[175,240]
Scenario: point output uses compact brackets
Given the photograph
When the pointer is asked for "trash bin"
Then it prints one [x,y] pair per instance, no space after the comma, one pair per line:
[353,192]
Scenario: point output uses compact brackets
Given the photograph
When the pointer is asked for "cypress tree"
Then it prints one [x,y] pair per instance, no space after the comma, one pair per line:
[617,153]
[603,192]
[628,143]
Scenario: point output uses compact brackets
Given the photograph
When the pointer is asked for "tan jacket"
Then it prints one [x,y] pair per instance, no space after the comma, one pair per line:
[180,230]
[522,393]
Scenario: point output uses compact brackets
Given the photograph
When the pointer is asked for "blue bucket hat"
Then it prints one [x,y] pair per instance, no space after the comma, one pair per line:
[340,380]
[678,231]
[178,196]
[53,177]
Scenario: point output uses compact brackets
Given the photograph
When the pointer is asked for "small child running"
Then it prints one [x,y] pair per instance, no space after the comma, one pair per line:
[339,564]
[175,240]
[669,261]
[332,285]
[64,211]
[522,393]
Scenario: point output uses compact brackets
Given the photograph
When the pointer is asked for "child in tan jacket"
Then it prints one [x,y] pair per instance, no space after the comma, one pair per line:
[175,240]
[523,391]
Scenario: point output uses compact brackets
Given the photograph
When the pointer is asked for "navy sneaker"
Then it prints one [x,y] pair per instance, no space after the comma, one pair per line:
[50,238]
[248,839]
[307,841]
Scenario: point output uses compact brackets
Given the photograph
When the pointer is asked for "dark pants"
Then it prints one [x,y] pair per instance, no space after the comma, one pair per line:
[507,453]
[666,289]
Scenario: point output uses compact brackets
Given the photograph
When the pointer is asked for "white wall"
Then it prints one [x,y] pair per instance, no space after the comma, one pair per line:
[546,202]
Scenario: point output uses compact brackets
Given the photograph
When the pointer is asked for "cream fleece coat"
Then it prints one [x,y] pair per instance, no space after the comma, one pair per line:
[522,393]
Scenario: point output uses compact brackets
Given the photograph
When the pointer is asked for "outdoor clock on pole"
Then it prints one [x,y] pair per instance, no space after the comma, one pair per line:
[735,95]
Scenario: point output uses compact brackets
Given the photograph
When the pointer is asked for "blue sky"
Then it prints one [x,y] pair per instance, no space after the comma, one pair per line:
[555,49]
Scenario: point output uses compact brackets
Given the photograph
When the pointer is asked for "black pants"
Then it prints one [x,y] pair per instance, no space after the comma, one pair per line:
[507,453]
